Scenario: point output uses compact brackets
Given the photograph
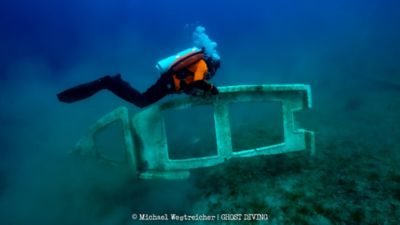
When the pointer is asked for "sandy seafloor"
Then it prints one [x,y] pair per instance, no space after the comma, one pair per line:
[353,178]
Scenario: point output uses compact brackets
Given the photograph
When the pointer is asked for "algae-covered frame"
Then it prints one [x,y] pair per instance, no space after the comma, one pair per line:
[146,139]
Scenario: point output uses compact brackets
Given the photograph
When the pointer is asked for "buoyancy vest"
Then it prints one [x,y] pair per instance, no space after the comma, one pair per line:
[191,72]
[185,67]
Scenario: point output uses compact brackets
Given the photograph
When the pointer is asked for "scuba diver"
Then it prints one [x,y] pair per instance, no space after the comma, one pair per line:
[187,72]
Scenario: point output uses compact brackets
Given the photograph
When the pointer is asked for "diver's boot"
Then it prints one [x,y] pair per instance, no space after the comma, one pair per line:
[85,90]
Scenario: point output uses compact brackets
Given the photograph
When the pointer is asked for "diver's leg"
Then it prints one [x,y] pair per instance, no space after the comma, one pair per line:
[160,89]
[157,91]
[83,91]
[124,90]
[120,88]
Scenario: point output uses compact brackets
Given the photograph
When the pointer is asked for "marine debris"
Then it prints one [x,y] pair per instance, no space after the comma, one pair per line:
[145,136]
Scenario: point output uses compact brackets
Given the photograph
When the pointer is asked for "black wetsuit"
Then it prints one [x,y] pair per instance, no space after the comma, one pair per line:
[121,88]
[163,86]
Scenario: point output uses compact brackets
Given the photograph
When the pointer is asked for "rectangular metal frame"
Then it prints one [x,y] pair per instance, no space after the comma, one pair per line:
[146,139]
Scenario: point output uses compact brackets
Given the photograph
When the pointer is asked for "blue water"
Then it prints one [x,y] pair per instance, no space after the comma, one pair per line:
[347,50]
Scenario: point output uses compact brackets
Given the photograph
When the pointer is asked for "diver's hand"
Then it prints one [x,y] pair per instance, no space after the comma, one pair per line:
[201,88]
[200,92]
[214,90]
[195,92]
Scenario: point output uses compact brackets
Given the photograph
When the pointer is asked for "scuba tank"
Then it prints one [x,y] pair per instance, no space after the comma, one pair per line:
[179,60]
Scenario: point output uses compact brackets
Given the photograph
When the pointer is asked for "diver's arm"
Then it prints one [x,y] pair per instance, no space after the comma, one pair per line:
[201,87]
[200,84]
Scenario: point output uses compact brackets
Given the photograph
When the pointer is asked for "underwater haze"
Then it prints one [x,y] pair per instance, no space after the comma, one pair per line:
[348,51]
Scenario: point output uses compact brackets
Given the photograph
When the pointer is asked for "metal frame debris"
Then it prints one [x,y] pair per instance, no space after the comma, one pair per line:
[145,137]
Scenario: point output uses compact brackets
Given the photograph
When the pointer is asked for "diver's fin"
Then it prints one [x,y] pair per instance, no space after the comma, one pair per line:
[83,91]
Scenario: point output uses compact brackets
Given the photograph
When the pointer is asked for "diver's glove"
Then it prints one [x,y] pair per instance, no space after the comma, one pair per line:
[214,90]
[201,88]
[196,92]
[204,93]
